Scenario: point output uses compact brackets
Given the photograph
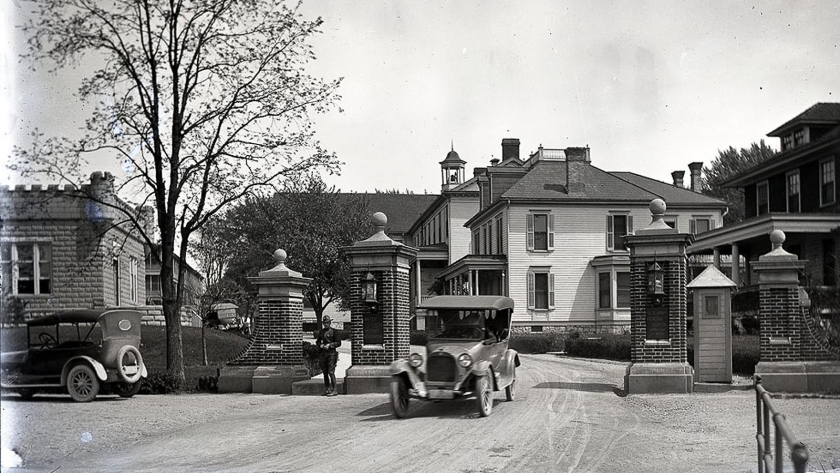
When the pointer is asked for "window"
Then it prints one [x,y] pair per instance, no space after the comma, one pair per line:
[132,270]
[30,265]
[799,137]
[153,282]
[604,291]
[762,198]
[115,265]
[711,304]
[540,228]
[701,224]
[622,289]
[618,225]
[787,142]
[827,182]
[540,289]
[671,221]
[485,241]
[499,241]
[793,192]
[476,242]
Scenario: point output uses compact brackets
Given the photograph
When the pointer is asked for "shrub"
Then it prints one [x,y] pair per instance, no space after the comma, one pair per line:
[311,354]
[745,353]
[418,337]
[209,384]
[160,383]
[537,342]
[610,347]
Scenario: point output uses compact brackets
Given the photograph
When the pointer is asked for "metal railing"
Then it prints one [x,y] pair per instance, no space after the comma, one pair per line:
[768,455]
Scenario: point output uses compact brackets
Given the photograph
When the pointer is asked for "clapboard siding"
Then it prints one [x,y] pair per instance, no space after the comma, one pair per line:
[461,209]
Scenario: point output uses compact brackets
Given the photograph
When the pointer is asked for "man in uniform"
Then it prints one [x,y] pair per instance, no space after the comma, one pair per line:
[327,341]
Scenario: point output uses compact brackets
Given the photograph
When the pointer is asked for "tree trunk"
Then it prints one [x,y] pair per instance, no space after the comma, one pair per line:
[171,313]
[203,346]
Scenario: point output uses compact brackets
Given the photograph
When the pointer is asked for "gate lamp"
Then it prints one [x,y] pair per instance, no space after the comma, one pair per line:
[369,290]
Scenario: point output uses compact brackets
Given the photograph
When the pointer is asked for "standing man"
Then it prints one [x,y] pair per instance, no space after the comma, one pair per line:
[327,342]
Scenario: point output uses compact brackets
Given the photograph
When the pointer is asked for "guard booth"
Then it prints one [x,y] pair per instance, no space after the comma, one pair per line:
[712,326]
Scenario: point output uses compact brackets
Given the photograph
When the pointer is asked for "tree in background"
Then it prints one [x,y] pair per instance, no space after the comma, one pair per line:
[729,163]
[309,220]
[202,102]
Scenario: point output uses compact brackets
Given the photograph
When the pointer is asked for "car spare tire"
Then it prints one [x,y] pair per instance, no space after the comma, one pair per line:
[130,371]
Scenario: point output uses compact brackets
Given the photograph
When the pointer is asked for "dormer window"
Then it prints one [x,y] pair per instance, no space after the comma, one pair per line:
[762,198]
[799,137]
[787,142]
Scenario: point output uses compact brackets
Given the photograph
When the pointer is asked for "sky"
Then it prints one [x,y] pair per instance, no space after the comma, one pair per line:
[649,86]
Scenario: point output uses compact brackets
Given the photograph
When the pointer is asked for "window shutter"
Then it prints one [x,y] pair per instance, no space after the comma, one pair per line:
[531,295]
[551,232]
[629,224]
[530,230]
[692,225]
[609,232]
[551,291]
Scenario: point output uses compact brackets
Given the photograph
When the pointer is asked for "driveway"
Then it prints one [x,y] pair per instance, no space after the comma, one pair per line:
[569,415]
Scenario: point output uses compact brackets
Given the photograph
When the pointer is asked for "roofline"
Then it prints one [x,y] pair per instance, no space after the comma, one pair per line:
[673,204]
[763,225]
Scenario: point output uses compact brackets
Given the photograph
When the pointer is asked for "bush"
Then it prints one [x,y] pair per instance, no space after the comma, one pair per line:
[609,347]
[311,355]
[209,384]
[418,337]
[537,342]
[160,383]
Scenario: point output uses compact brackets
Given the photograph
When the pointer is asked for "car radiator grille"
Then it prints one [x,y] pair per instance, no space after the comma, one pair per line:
[441,367]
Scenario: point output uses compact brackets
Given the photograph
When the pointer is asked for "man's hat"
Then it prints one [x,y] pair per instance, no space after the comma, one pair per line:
[326,319]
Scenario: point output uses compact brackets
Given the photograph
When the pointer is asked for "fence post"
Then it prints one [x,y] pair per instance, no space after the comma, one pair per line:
[759,437]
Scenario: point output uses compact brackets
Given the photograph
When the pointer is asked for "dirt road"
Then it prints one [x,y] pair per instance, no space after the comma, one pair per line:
[569,415]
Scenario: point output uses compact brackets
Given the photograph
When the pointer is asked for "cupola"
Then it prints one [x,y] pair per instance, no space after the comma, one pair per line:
[451,170]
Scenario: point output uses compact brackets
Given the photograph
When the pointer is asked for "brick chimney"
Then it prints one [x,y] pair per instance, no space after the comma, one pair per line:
[678,178]
[576,161]
[510,148]
[695,169]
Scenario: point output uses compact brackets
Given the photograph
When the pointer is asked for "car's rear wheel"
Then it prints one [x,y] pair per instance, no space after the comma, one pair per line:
[26,393]
[510,390]
[126,389]
[129,364]
[82,383]
[399,396]
[484,395]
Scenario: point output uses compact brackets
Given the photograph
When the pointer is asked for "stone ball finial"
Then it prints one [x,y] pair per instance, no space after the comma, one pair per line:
[280,256]
[379,219]
[657,207]
[777,237]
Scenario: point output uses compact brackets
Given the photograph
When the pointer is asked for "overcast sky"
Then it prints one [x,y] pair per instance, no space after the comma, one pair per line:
[650,86]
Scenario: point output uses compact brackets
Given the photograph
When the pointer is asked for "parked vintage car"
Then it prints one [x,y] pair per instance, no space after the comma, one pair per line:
[467,354]
[101,355]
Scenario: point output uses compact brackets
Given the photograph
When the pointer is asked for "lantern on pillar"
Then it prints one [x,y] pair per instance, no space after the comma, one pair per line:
[369,292]
[656,282]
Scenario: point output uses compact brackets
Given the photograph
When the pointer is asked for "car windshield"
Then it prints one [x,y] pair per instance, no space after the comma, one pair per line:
[465,324]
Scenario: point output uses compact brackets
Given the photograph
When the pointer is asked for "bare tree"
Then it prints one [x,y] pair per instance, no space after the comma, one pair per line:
[205,102]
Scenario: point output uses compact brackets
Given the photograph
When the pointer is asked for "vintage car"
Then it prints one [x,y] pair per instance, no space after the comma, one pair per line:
[467,354]
[82,352]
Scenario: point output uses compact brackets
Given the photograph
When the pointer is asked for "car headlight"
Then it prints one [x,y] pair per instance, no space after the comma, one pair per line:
[415,360]
[465,360]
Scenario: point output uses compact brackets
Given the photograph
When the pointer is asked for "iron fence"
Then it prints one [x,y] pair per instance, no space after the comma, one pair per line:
[767,453]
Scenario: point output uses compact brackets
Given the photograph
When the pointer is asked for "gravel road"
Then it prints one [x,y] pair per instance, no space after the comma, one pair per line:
[569,415]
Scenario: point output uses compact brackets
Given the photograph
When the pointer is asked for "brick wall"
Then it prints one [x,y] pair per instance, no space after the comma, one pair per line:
[782,322]
[675,299]
[279,324]
[394,309]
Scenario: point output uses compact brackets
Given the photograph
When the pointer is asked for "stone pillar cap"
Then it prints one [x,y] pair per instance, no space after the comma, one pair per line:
[777,238]
[280,269]
[379,220]
[657,211]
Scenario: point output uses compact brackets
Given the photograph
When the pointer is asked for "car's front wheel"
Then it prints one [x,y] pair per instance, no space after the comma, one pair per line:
[399,396]
[82,383]
[126,389]
[484,394]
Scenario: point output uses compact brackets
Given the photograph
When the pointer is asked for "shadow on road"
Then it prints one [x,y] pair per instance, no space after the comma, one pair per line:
[583,387]
[456,409]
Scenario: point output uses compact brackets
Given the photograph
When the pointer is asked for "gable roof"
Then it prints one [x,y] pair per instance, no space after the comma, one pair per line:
[671,194]
[821,113]
[547,181]
[402,210]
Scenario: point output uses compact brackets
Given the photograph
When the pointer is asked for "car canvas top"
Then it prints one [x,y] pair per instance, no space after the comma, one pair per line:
[468,302]
[73,316]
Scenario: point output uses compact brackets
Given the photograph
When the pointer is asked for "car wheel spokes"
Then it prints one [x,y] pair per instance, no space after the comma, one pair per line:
[82,383]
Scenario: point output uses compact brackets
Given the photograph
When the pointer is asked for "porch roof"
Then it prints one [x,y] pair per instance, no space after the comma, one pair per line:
[470,262]
[757,230]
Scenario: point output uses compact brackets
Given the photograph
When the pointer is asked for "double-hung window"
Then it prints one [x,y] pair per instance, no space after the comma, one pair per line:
[618,225]
[132,268]
[700,224]
[827,182]
[540,228]
[30,265]
[540,289]
[622,290]
[793,192]
[762,198]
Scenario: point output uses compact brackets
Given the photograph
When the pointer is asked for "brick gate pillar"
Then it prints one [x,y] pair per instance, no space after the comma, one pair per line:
[790,361]
[274,358]
[658,295]
[379,308]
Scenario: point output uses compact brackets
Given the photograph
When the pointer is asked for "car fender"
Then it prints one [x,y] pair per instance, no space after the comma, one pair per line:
[484,368]
[507,368]
[97,367]
[402,366]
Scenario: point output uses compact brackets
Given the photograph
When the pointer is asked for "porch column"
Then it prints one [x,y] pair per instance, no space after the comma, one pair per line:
[470,279]
[736,265]
[418,285]
[716,257]
[477,292]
